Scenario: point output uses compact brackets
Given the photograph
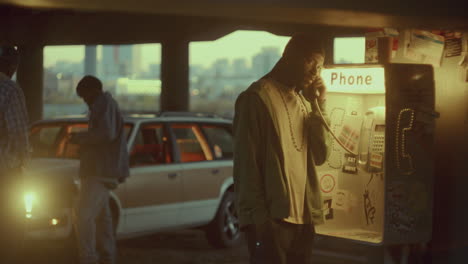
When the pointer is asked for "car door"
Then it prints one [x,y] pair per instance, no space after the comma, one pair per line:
[153,191]
[219,137]
[199,177]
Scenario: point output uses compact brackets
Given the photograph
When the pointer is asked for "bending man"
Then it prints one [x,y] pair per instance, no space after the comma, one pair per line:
[103,165]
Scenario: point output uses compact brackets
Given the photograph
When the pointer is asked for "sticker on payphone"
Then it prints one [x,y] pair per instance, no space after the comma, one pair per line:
[349,137]
[340,200]
[328,183]
[350,165]
[376,160]
[328,210]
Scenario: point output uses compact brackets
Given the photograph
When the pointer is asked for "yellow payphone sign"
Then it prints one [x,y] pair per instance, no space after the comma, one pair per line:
[355,80]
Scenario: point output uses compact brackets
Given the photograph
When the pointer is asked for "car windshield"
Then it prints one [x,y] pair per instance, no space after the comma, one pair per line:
[50,140]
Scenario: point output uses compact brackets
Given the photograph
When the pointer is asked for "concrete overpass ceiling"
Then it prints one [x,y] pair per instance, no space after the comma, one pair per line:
[58,22]
[362,13]
[64,27]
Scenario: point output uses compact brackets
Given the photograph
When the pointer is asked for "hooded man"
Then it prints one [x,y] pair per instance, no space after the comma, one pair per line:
[103,165]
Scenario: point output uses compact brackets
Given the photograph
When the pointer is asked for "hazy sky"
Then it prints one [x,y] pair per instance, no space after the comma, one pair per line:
[240,44]
[350,49]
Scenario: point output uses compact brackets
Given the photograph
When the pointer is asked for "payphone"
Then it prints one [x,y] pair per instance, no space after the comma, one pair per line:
[372,138]
[377,182]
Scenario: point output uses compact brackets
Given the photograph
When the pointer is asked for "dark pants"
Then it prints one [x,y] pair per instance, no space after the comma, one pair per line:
[281,243]
[12,216]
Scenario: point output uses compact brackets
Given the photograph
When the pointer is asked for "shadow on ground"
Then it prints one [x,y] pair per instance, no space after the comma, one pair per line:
[180,247]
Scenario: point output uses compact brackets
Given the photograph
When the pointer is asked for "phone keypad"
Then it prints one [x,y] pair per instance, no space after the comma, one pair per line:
[378,144]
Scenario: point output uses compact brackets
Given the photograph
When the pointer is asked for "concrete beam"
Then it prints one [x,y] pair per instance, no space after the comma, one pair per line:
[108,26]
[175,75]
[361,13]
[90,60]
[30,77]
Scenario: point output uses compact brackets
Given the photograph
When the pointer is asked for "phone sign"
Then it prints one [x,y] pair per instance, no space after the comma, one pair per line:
[355,80]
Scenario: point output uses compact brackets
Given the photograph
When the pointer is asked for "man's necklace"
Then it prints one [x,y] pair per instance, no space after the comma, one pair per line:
[302,107]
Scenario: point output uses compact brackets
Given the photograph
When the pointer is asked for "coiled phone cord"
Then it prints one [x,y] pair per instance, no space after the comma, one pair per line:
[330,130]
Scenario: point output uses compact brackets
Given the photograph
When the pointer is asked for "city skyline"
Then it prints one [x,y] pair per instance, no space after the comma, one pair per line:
[220,79]
[258,64]
[239,44]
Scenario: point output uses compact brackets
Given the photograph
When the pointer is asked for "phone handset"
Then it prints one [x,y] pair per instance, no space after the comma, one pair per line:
[316,94]
[404,124]
[329,129]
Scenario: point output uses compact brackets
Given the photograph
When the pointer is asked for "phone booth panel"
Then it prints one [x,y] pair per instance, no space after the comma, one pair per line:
[410,159]
[366,196]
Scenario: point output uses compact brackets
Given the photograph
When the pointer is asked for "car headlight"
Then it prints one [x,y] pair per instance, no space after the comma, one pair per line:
[29,201]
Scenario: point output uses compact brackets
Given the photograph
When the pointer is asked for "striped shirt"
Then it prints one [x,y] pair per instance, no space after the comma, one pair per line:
[14,143]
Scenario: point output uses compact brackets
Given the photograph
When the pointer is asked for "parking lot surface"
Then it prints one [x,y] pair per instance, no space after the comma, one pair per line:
[182,247]
[179,247]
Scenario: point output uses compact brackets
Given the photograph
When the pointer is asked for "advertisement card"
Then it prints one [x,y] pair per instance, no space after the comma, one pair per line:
[371,43]
[453,44]
[425,47]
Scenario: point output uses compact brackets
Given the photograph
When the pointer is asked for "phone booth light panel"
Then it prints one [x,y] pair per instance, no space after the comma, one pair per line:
[360,187]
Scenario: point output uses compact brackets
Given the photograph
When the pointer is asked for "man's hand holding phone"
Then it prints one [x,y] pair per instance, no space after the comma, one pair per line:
[315,90]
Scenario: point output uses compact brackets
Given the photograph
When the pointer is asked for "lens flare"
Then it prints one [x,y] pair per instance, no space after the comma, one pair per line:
[29,200]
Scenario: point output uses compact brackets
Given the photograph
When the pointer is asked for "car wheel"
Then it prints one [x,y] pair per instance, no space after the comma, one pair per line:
[224,230]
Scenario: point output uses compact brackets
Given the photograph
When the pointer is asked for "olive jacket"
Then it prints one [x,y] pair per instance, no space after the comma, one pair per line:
[259,175]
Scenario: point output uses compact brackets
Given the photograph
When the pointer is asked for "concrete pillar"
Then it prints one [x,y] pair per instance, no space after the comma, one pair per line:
[90,60]
[384,49]
[30,76]
[175,75]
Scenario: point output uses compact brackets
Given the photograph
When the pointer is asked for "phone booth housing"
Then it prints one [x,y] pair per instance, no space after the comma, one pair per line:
[382,192]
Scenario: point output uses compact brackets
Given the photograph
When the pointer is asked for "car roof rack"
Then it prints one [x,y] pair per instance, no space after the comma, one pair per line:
[168,114]
[140,113]
[187,114]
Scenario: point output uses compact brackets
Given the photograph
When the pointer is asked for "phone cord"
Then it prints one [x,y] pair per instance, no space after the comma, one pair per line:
[329,129]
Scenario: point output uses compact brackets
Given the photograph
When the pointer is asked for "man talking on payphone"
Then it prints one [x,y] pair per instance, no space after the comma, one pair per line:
[279,139]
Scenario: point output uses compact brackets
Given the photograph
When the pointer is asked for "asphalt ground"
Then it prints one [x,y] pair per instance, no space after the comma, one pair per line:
[179,247]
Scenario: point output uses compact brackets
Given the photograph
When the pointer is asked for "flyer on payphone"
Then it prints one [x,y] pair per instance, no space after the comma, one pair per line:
[376,185]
